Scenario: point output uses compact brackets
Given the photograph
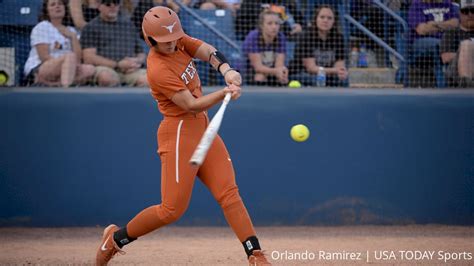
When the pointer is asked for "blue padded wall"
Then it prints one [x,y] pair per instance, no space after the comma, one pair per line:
[381,157]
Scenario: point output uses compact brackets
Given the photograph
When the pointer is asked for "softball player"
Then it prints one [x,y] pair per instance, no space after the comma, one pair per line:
[175,84]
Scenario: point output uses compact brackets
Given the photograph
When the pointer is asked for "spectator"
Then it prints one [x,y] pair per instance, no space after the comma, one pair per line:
[111,43]
[128,7]
[232,5]
[83,11]
[55,54]
[457,49]
[247,16]
[264,50]
[397,5]
[428,19]
[320,48]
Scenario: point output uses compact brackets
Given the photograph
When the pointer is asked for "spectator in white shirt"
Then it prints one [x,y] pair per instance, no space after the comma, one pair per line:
[55,56]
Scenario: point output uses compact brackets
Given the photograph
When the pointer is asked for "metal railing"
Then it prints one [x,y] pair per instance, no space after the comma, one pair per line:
[217,32]
[374,37]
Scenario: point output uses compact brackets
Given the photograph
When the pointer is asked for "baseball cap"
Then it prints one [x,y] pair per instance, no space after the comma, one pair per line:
[467,3]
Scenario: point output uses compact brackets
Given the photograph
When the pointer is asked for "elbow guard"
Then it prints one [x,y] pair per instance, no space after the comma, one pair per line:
[217,59]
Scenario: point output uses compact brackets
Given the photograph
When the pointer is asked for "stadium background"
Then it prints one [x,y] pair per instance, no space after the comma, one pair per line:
[379,26]
[375,156]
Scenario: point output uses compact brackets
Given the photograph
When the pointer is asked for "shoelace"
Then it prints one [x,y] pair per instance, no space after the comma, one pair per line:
[115,251]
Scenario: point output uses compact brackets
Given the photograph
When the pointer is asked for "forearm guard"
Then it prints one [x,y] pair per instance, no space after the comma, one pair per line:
[217,59]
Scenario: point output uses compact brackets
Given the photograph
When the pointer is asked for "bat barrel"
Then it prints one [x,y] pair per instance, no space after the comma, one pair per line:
[209,135]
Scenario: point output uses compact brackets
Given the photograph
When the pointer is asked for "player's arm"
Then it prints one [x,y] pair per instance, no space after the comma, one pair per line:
[208,53]
[189,103]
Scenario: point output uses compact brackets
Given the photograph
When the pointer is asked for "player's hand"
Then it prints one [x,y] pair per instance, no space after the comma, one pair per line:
[233,77]
[234,90]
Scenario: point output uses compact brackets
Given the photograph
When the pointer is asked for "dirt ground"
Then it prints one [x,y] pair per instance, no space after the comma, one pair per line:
[358,245]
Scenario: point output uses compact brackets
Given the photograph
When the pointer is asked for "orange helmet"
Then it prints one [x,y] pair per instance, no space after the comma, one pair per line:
[161,24]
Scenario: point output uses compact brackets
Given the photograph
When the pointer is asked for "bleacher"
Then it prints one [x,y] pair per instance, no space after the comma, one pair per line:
[389,64]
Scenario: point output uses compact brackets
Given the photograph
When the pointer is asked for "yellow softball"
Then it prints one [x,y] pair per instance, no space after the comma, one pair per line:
[299,133]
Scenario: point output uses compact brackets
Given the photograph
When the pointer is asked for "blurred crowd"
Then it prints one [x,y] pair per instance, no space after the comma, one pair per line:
[99,42]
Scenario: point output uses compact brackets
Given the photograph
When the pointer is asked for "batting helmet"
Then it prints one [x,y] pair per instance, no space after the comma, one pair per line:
[161,24]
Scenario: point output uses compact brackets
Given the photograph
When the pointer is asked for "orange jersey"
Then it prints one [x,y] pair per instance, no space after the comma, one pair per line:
[170,73]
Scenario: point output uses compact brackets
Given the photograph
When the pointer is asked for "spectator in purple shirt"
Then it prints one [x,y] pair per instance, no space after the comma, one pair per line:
[428,19]
[291,15]
[264,52]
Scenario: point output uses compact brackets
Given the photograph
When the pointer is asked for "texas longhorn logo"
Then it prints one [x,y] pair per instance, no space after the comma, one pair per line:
[170,27]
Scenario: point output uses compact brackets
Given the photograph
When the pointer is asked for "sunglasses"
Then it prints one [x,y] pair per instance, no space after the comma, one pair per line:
[467,10]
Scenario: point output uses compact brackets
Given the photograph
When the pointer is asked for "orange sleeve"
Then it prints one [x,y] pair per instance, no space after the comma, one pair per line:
[191,45]
[168,83]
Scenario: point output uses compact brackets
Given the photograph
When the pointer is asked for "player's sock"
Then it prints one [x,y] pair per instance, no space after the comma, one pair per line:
[121,237]
[251,244]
